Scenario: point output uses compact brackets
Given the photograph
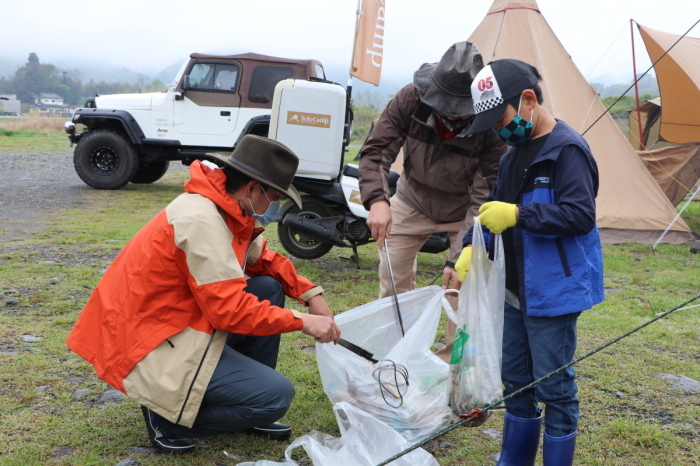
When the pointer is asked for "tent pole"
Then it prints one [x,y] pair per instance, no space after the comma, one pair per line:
[636,89]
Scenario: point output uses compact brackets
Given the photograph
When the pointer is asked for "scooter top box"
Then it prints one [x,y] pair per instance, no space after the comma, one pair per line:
[309,118]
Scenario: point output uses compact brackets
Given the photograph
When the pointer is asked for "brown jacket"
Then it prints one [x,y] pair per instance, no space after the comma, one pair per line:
[446,181]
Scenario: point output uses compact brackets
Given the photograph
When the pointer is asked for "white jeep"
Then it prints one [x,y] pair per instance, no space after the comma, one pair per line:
[213,101]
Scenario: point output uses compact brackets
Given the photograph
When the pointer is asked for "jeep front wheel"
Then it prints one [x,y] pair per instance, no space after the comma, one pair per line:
[105,160]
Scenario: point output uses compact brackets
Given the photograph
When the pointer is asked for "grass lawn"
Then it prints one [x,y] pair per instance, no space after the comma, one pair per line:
[629,415]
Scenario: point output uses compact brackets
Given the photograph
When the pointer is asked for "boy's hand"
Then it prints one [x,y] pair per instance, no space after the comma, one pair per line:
[497,216]
[462,264]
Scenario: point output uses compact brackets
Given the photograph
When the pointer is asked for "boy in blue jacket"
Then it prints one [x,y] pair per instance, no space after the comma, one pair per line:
[544,205]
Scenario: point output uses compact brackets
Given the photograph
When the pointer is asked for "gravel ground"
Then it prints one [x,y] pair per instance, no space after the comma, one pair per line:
[36,186]
[33,187]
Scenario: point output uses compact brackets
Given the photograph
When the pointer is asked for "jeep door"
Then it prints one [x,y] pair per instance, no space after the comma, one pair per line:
[208,111]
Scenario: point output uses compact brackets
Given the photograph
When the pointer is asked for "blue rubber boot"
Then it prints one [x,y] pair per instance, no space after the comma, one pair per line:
[559,451]
[521,439]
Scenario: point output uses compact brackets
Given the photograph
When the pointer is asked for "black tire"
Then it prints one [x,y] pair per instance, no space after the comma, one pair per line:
[105,160]
[299,244]
[151,172]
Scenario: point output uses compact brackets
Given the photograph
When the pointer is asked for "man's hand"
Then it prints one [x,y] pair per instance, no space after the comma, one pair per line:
[450,279]
[319,307]
[379,221]
[497,216]
[322,328]
[462,264]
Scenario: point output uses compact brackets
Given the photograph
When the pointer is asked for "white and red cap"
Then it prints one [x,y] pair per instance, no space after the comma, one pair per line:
[495,86]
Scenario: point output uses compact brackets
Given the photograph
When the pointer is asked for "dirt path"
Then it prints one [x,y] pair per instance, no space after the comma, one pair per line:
[37,185]
[33,187]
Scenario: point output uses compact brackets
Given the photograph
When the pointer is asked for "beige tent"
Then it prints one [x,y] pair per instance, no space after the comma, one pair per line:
[675,167]
[649,112]
[631,205]
[678,74]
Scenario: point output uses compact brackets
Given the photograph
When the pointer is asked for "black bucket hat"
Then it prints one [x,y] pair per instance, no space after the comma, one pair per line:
[265,160]
[446,85]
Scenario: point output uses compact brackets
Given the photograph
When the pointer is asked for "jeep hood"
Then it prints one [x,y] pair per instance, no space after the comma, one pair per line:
[129,101]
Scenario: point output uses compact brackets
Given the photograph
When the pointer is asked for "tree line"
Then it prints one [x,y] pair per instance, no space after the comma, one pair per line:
[35,78]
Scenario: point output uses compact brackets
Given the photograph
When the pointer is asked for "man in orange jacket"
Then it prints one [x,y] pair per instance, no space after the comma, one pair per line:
[187,319]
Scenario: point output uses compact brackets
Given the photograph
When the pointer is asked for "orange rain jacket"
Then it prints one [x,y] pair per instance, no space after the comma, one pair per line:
[156,324]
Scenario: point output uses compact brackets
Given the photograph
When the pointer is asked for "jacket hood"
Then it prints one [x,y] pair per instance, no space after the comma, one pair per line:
[211,183]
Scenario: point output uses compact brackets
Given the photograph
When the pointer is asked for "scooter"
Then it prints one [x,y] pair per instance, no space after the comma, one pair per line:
[312,119]
[332,214]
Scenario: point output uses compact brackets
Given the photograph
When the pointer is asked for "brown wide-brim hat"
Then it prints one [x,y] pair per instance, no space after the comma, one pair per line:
[265,160]
[446,85]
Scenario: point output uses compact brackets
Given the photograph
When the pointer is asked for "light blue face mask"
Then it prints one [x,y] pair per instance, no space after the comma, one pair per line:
[270,214]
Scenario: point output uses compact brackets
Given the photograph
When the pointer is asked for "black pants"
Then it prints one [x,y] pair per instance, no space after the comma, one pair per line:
[245,391]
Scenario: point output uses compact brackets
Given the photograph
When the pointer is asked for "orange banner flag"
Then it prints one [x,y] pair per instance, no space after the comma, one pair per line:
[369,42]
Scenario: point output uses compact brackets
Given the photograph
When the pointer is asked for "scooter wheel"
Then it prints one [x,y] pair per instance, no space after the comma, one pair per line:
[301,244]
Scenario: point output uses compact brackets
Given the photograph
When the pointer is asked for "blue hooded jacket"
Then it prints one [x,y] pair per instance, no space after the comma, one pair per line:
[556,242]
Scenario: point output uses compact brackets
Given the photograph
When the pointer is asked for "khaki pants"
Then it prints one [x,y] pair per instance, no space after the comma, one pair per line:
[409,230]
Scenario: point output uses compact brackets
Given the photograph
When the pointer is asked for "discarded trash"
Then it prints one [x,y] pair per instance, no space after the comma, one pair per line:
[386,372]
[364,441]
[475,367]
[375,328]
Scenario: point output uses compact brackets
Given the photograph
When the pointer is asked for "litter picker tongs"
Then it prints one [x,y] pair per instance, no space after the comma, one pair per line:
[363,353]
[392,387]
[385,251]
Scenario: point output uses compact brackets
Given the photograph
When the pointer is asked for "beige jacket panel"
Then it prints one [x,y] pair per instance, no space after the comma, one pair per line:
[202,234]
[163,380]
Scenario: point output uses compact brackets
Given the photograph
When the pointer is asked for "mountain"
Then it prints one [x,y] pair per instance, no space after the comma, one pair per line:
[647,85]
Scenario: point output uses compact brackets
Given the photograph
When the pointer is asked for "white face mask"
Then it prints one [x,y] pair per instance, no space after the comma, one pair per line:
[270,214]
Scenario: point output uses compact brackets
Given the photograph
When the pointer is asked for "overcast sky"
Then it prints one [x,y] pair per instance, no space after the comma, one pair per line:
[148,36]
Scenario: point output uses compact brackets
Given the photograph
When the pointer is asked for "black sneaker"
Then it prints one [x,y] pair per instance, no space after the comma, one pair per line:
[274,431]
[162,443]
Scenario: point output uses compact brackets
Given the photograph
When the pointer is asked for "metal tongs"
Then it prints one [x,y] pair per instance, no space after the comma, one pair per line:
[385,252]
[363,353]
[394,388]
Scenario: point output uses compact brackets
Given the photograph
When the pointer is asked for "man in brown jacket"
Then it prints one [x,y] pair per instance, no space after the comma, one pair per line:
[447,174]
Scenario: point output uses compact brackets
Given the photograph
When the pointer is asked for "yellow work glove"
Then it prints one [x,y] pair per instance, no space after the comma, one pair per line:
[497,216]
[462,264]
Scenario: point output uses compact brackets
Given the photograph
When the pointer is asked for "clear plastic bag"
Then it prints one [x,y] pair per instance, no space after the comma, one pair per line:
[374,326]
[475,366]
[364,441]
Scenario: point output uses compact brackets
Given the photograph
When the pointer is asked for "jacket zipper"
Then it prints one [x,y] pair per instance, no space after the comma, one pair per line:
[562,257]
[206,350]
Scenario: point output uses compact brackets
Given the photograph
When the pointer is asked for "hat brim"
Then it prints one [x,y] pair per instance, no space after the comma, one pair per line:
[432,95]
[222,159]
[486,120]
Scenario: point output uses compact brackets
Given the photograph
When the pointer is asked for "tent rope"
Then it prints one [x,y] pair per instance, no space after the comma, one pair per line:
[653,248]
[641,76]
[478,413]
[616,42]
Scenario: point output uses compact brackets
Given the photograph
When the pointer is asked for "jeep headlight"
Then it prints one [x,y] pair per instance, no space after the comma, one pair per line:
[69,127]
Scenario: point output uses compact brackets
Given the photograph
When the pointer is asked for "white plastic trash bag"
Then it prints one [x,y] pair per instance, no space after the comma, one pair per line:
[374,327]
[364,441]
[475,366]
